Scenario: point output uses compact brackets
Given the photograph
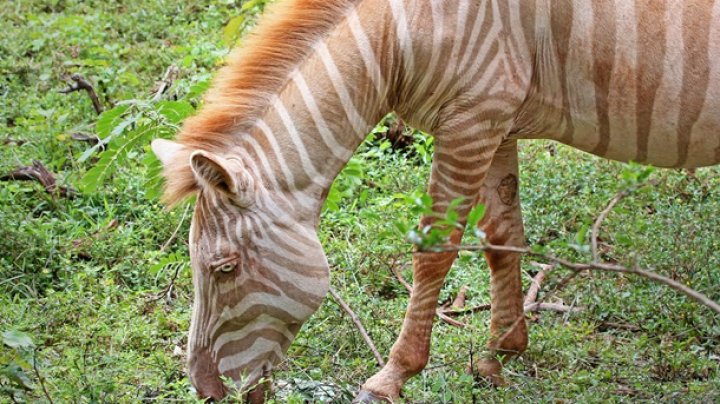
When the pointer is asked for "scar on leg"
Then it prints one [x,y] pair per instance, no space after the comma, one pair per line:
[507,190]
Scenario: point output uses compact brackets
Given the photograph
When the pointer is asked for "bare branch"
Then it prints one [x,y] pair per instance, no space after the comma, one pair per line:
[578,267]
[559,308]
[80,83]
[534,288]
[459,302]
[402,280]
[363,332]
[38,172]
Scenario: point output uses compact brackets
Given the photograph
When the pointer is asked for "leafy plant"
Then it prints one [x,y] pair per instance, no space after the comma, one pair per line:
[16,362]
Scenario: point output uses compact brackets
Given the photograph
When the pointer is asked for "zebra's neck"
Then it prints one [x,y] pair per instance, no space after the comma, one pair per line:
[329,104]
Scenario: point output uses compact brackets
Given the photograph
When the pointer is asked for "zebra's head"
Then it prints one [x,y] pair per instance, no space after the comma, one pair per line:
[258,271]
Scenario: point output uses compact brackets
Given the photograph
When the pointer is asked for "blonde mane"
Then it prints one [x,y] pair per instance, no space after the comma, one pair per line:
[254,71]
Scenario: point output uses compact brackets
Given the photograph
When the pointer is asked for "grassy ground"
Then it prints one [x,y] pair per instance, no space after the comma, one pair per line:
[79,276]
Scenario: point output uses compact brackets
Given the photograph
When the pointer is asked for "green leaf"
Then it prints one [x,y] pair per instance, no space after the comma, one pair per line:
[109,119]
[17,376]
[17,339]
[476,214]
[153,186]
[581,235]
[231,32]
[175,111]
[116,154]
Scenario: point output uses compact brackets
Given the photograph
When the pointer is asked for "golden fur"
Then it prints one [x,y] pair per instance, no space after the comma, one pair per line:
[254,72]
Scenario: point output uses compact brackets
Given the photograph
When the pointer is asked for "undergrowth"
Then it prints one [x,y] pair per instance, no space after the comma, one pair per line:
[87,313]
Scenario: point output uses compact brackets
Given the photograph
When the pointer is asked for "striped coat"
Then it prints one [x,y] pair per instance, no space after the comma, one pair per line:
[626,80]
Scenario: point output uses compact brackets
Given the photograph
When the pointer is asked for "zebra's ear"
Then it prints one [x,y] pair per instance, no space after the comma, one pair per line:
[166,150]
[221,174]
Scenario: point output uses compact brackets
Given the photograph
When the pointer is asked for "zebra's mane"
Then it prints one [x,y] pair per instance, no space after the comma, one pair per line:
[254,72]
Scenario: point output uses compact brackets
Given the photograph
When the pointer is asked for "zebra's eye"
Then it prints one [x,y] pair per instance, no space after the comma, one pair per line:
[226,268]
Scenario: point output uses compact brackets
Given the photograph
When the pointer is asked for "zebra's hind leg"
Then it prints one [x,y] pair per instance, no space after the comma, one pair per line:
[503,226]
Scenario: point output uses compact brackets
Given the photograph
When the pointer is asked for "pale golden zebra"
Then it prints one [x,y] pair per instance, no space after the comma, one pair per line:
[627,80]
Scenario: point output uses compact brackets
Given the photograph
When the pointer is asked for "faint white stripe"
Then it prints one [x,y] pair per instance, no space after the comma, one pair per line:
[474,36]
[403,33]
[302,152]
[358,123]
[262,322]
[340,151]
[294,308]
[270,136]
[261,348]
[367,53]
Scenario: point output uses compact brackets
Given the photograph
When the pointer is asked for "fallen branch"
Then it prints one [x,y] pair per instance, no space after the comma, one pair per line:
[534,289]
[38,172]
[355,319]
[167,81]
[80,83]
[556,307]
[8,141]
[84,137]
[580,267]
[459,302]
[458,308]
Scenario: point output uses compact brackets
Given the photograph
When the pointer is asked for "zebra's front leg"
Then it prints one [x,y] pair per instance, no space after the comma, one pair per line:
[457,172]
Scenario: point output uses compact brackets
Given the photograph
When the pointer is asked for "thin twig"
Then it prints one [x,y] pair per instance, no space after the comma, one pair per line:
[355,319]
[40,378]
[167,290]
[170,76]
[604,214]
[401,279]
[695,295]
[174,234]
[80,83]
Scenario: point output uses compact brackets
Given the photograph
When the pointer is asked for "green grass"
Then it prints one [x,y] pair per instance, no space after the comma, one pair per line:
[83,290]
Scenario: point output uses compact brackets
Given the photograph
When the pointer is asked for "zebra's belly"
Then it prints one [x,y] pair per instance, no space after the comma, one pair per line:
[669,140]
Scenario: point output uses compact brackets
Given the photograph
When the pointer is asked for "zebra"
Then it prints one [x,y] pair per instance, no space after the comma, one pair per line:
[625,80]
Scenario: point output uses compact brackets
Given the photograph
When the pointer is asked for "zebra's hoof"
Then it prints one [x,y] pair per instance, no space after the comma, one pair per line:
[367,397]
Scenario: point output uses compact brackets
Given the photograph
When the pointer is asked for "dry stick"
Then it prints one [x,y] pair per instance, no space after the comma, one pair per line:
[38,172]
[534,288]
[170,76]
[695,295]
[531,305]
[355,319]
[556,307]
[82,84]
